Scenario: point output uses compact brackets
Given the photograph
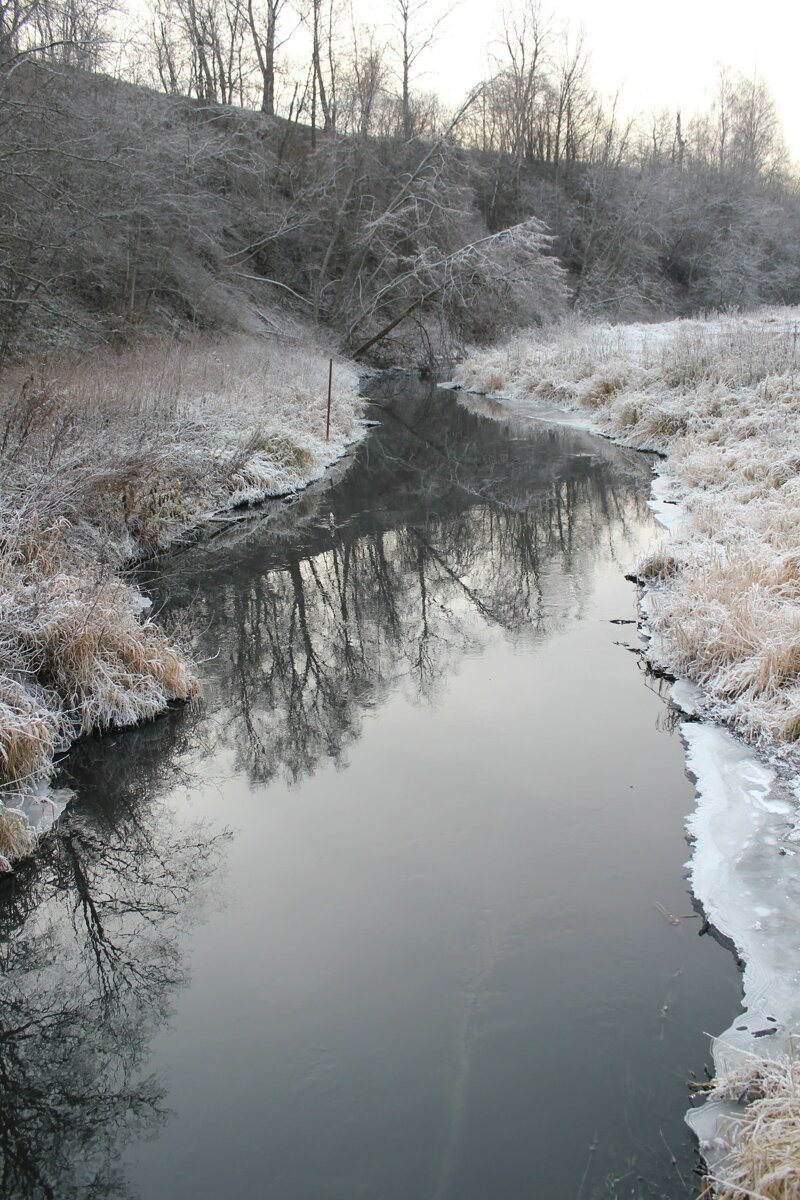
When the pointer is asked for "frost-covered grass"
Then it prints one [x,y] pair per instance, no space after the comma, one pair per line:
[720,397]
[102,463]
[763,1155]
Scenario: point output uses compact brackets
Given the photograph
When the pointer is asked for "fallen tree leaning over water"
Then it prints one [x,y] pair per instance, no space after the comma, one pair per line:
[107,462]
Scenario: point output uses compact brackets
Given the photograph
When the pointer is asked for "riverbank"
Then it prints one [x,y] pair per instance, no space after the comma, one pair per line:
[721,399]
[104,463]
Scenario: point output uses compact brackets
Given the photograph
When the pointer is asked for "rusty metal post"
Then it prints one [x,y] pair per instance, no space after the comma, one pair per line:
[330,388]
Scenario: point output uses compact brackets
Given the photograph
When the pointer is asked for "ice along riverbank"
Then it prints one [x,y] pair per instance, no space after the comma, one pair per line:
[722,605]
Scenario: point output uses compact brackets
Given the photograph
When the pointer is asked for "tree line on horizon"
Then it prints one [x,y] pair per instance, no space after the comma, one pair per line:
[197,160]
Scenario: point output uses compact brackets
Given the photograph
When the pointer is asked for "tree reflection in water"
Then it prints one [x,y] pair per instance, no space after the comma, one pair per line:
[451,525]
[450,528]
[90,963]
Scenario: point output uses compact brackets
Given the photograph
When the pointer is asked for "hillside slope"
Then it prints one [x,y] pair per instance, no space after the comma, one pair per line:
[123,211]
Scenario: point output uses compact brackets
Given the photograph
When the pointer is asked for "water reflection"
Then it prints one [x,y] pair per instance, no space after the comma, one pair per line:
[90,964]
[451,531]
[480,526]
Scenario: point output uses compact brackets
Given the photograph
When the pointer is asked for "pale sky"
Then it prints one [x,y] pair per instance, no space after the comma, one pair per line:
[663,55]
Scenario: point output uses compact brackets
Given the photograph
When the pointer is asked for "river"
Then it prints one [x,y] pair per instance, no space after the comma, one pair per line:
[399,911]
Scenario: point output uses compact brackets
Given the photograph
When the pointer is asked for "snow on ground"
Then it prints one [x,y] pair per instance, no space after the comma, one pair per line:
[101,464]
[721,398]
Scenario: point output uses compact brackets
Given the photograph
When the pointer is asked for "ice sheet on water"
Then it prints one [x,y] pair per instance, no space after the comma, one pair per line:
[42,806]
[745,871]
[665,502]
[686,696]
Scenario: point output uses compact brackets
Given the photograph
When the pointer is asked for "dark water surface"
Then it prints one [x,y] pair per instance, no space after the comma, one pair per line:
[427,961]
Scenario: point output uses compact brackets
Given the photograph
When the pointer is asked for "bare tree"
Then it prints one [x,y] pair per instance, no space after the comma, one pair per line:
[74,32]
[16,16]
[262,20]
[322,19]
[525,37]
[365,85]
[214,32]
[758,145]
[573,98]
[740,133]
[167,49]
[417,26]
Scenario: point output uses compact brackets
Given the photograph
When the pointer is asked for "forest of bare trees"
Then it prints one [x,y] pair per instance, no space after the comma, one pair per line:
[204,162]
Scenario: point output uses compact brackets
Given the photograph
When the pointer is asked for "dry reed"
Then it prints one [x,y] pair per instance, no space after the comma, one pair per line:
[763,1139]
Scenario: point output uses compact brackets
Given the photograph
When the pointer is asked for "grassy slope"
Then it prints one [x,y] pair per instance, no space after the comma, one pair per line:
[104,462]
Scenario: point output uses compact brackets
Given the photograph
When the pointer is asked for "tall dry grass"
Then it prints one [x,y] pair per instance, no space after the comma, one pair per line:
[720,397]
[102,463]
[763,1140]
